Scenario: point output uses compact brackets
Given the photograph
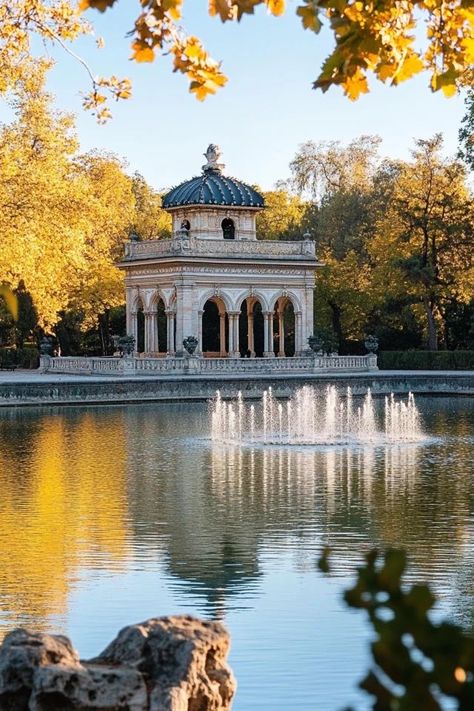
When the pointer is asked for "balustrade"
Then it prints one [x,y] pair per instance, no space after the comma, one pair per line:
[211,247]
[196,366]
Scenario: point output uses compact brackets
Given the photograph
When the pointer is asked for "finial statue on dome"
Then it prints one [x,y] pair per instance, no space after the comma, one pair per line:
[213,154]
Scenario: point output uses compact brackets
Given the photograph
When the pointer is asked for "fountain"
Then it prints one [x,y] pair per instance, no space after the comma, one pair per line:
[312,417]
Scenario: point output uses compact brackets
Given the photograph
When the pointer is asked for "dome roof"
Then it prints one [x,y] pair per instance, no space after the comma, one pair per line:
[213,188]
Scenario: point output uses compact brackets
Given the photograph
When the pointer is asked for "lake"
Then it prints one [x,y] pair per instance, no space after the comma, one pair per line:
[110,515]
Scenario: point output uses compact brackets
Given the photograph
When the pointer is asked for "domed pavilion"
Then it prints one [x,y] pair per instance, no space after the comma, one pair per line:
[238,296]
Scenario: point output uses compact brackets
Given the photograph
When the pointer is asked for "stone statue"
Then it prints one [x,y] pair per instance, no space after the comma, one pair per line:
[212,156]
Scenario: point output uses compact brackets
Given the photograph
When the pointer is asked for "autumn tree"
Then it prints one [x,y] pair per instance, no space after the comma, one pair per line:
[150,221]
[466,132]
[339,181]
[64,217]
[425,240]
[283,217]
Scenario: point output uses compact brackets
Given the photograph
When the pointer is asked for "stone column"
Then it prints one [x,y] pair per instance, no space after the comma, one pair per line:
[299,343]
[184,316]
[199,336]
[133,326]
[223,351]
[231,335]
[170,347]
[250,334]
[129,294]
[234,334]
[281,334]
[151,331]
[268,334]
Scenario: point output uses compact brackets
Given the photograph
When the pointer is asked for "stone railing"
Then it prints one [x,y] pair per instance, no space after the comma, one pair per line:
[179,245]
[208,366]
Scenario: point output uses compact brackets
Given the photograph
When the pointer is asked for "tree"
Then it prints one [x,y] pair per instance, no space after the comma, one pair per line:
[283,216]
[340,181]
[466,132]
[374,37]
[64,217]
[425,241]
[150,221]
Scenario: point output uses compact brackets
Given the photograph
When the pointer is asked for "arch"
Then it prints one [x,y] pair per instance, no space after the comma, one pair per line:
[251,294]
[210,294]
[185,225]
[215,327]
[289,295]
[228,228]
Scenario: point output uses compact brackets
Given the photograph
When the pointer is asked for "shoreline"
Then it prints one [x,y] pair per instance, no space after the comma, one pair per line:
[31,388]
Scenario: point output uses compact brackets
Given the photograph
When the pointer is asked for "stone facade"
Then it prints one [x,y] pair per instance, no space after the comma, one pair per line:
[255,298]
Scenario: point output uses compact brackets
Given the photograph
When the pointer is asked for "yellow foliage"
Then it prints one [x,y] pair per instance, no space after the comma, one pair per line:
[63,218]
[369,37]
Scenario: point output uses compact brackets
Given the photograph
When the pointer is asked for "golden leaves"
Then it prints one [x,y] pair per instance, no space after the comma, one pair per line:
[355,85]
[370,37]
[142,52]
[276,7]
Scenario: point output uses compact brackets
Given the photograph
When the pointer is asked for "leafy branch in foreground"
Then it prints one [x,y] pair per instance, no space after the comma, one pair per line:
[416,662]
[375,37]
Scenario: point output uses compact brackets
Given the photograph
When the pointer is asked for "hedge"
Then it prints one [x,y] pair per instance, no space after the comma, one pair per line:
[26,357]
[426,360]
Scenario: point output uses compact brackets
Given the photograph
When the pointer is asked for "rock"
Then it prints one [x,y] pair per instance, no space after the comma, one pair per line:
[163,664]
[21,653]
[92,687]
[183,660]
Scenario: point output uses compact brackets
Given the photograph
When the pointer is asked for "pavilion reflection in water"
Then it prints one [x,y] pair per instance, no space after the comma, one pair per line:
[94,490]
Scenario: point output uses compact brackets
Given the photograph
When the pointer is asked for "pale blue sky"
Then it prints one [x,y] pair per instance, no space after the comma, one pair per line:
[267,109]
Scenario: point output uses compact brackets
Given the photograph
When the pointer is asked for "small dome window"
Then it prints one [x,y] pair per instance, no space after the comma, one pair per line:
[228,228]
[186,225]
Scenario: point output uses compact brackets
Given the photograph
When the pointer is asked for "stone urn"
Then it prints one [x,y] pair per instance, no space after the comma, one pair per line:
[45,346]
[126,345]
[315,343]
[190,344]
[371,343]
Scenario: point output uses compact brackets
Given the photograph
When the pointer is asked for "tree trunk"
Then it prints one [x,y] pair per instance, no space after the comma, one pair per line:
[103,320]
[431,323]
[336,321]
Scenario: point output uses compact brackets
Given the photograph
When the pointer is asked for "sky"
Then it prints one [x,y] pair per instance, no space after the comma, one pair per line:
[267,109]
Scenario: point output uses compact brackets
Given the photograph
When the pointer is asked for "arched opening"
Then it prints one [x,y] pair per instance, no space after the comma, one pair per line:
[215,328]
[284,327]
[251,325]
[186,225]
[228,228]
[140,344]
[162,327]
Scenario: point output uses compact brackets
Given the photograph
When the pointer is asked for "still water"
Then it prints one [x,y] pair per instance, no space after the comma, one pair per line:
[112,515]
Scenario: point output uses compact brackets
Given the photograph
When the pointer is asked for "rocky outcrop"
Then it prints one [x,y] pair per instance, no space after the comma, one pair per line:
[163,664]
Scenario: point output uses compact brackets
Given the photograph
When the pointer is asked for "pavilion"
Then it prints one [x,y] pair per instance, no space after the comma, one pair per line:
[239,296]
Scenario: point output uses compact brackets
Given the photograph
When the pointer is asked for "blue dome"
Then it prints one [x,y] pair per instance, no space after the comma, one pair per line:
[213,188]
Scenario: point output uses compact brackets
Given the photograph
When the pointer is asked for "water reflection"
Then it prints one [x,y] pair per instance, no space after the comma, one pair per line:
[62,506]
[102,490]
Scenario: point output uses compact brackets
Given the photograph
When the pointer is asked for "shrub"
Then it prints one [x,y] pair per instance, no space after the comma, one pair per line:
[26,357]
[426,360]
